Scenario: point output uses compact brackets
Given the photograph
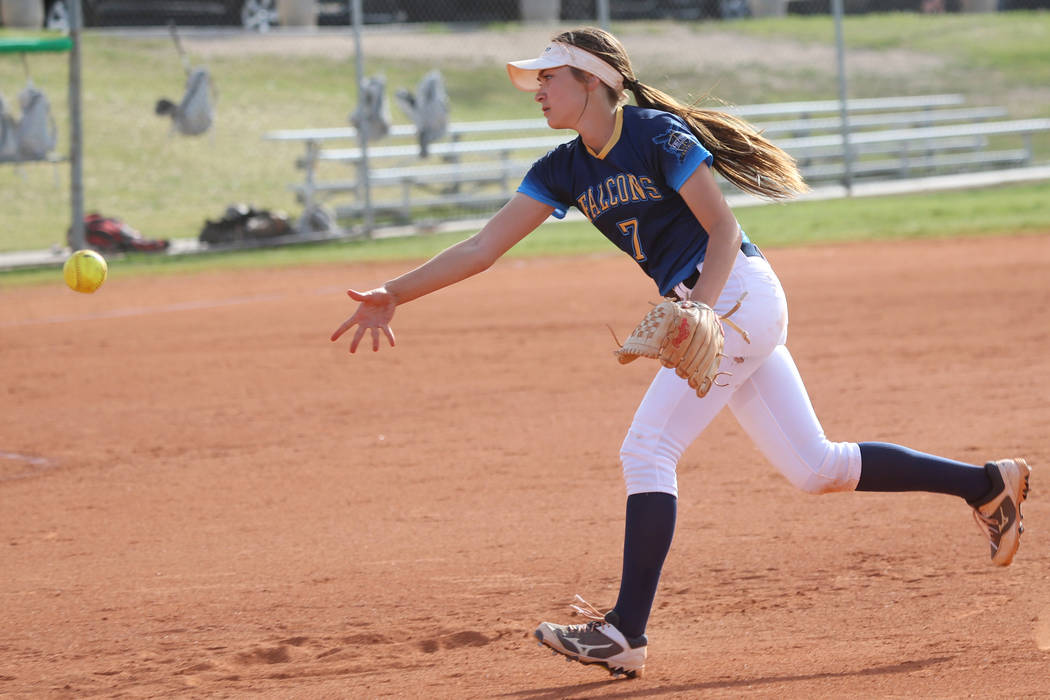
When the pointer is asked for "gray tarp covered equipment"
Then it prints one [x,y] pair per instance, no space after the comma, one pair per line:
[195,113]
[428,109]
[372,115]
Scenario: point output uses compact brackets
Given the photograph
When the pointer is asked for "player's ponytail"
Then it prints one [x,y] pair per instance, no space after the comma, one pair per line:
[741,154]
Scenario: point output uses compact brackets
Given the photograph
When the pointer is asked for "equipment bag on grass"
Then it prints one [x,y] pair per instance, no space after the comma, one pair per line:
[108,234]
[243,222]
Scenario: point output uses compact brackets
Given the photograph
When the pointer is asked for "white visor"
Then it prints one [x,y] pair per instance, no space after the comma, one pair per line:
[525,74]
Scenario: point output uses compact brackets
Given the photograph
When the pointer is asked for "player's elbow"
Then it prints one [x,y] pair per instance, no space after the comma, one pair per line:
[479,255]
[729,231]
[738,235]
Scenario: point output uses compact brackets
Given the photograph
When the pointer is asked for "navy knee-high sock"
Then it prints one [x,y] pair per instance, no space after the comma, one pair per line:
[647,538]
[885,467]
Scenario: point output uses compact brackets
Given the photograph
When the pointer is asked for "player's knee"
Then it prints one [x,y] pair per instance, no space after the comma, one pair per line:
[649,464]
[827,467]
[817,484]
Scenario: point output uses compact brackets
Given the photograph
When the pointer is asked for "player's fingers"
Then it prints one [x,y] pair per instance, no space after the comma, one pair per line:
[356,295]
[346,325]
[389,335]
[357,338]
[375,339]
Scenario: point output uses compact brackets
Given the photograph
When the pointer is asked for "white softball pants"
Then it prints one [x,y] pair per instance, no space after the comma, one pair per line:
[764,392]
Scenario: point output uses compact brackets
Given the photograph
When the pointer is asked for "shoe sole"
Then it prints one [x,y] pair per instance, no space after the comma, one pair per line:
[615,672]
[1027,471]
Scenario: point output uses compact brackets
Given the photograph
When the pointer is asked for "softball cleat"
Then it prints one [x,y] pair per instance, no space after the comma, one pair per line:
[595,642]
[1000,517]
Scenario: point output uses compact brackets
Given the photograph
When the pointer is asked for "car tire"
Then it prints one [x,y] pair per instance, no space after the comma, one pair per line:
[257,15]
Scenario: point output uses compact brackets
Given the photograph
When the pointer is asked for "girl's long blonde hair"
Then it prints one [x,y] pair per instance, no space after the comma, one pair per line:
[742,155]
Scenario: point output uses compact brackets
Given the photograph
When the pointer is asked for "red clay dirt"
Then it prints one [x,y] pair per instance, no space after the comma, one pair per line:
[203,497]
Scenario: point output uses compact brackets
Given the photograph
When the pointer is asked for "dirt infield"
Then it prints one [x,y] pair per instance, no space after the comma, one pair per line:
[203,497]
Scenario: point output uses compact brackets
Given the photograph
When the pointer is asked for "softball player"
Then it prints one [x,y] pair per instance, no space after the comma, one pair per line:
[643,175]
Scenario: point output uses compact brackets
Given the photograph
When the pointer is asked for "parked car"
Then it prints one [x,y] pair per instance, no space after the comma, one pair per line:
[474,11]
[250,14]
[336,12]
[1007,5]
[858,7]
[261,15]
[685,10]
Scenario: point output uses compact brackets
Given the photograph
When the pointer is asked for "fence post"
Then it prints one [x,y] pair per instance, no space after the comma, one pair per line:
[362,138]
[840,51]
[76,136]
[603,14]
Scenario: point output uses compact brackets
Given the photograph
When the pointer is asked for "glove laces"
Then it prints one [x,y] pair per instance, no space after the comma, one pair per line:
[725,318]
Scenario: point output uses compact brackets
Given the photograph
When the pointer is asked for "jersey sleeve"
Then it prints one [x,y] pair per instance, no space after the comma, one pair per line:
[678,152]
[540,185]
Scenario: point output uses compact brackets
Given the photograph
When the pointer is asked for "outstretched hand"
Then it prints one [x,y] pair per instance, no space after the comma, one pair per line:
[374,313]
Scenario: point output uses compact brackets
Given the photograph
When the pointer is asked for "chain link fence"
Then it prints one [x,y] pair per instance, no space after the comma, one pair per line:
[896,125]
[263,14]
[477,11]
[934,88]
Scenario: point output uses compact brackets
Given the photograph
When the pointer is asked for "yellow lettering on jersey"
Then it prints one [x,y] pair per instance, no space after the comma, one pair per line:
[592,206]
[581,201]
[610,184]
[650,188]
[614,191]
[637,191]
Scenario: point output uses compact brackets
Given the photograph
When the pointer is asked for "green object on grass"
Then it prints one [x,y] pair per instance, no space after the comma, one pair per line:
[35,44]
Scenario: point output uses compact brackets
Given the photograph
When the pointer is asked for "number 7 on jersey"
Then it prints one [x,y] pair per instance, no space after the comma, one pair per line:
[629,227]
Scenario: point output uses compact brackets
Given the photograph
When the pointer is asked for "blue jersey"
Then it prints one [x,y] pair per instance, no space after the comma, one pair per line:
[629,190]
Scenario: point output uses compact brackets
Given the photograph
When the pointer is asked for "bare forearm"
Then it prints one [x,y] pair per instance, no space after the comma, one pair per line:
[705,200]
[452,265]
[508,226]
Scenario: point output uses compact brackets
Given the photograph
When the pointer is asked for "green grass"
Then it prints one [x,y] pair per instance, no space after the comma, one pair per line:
[1015,209]
[166,186]
[988,211]
[1013,46]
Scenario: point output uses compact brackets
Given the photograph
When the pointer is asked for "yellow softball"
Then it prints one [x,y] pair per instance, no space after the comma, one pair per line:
[85,271]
